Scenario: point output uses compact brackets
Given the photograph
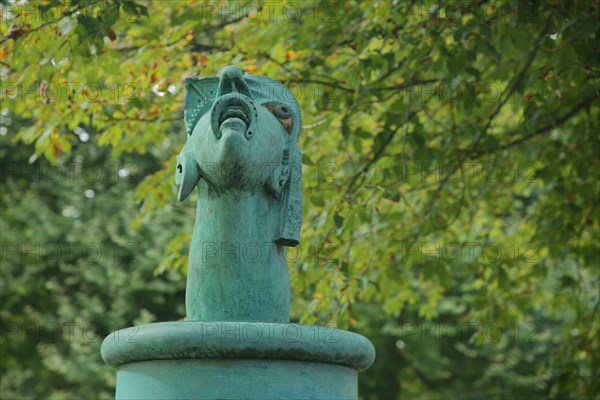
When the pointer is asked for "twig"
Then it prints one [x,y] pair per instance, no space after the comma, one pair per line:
[377,154]
[45,24]
[405,85]
[320,82]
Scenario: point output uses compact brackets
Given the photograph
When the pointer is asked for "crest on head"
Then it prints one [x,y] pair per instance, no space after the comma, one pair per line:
[200,97]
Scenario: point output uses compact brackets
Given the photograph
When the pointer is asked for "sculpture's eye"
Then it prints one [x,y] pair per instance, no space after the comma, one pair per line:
[283,114]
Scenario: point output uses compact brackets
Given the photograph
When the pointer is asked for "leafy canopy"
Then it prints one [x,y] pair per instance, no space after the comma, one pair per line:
[450,155]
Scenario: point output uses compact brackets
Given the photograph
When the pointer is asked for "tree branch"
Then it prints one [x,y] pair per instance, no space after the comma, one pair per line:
[405,85]
[45,24]
[378,154]
[320,82]
[469,153]
[194,46]
[584,104]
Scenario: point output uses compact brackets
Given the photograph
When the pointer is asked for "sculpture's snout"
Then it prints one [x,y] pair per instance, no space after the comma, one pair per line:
[231,80]
[234,110]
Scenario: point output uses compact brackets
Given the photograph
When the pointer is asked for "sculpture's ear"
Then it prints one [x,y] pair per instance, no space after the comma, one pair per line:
[199,98]
[280,176]
[187,175]
[291,207]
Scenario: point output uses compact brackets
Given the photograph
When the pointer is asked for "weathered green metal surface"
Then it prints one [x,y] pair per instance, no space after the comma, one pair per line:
[242,153]
[235,379]
[195,339]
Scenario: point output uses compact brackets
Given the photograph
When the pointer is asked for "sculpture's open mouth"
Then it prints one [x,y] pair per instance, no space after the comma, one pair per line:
[233,112]
[233,118]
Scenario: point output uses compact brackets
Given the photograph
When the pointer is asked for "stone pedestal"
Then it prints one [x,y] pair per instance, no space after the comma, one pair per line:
[236,360]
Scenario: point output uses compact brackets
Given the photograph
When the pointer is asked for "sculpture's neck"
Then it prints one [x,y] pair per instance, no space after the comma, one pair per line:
[242,221]
[236,271]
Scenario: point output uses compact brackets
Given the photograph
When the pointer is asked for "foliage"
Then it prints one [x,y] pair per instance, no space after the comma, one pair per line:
[450,156]
[73,271]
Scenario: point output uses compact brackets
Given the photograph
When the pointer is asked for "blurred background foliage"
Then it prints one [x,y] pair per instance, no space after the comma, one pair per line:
[451,182]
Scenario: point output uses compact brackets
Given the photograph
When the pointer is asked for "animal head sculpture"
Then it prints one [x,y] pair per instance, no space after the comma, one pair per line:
[242,136]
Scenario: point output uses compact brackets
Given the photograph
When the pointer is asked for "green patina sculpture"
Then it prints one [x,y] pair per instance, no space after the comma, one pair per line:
[242,152]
